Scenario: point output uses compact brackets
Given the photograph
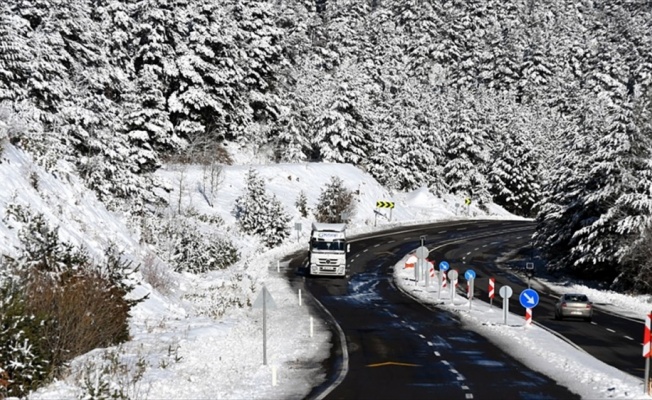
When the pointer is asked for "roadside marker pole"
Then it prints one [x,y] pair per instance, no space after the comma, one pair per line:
[647,354]
[492,285]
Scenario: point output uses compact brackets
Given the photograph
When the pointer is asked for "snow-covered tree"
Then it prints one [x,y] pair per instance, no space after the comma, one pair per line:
[334,200]
[258,213]
[341,129]
[514,177]
[466,154]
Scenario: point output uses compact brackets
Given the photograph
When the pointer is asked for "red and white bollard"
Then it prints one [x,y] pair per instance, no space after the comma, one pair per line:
[492,285]
[528,317]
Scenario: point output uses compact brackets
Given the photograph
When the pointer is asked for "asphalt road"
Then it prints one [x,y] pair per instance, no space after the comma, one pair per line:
[610,338]
[399,348]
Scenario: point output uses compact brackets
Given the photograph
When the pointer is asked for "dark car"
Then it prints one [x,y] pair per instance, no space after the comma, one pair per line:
[574,305]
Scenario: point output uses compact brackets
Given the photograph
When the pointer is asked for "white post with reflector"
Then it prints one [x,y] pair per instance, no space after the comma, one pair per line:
[492,286]
[647,354]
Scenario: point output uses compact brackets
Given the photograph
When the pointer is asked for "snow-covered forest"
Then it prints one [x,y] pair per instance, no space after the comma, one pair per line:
[543,107]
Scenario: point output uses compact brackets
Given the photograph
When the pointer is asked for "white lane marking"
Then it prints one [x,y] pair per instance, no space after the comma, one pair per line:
[412,328]
[365,250]
[431,344]
[464,387]
[630,338]
[461,229]
[377,245]
[453,370]
[476,249]
[519,237]
[421,336]
[469,396]
[442,231]
[610,330]
[445,362]
[437,354]
[484,246]
[468,253]
[494,243]
[460,378]
[406,239]
[391,241]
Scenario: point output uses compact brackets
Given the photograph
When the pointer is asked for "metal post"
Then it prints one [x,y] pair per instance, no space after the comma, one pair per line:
[646,381]
[264,326]
[505,309]
[439,276]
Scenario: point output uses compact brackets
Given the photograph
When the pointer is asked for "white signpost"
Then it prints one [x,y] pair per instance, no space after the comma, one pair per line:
[297,227]
[421,253]
[264,301]
[452,277]
[505,292]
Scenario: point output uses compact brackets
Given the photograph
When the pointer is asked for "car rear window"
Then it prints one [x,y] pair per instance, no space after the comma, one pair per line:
[576,297]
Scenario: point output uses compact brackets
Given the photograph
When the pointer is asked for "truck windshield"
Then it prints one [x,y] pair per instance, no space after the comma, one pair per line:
[336,245]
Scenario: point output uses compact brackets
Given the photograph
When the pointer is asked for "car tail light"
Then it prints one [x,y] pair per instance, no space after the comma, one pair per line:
[563,304]
[588,306]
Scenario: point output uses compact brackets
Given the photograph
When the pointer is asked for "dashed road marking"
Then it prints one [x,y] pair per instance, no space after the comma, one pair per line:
[391,241]
[365,250]
[610,330]
[437,354]
[421,336]
[377,245]
[442,231]
[630,338]
[445,362]
[461,229]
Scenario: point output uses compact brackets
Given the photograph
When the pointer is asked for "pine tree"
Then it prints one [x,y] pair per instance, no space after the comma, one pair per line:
[341,130]
[334,200]
[258,213]
[514,176]
[302,204]
[467,155]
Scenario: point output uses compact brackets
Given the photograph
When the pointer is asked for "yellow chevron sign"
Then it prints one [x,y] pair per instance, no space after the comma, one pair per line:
[384,204]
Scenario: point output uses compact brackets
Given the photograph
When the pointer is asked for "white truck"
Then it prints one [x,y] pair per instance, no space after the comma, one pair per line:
[328,249]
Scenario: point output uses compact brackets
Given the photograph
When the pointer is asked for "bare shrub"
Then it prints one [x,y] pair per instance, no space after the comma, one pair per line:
[84,311]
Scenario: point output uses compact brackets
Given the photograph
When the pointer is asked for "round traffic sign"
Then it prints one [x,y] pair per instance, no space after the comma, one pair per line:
[469,274]
[422,252]
[443,266]
[505,292]
[529,298]
[452,274]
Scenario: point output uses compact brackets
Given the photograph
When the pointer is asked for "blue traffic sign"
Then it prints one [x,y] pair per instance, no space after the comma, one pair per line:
[529,298]
[443,266]
[469,274]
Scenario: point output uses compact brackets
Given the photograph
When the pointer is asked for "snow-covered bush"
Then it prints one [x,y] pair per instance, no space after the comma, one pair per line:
[258,213]
[334,200]
[188,249]
[56,302]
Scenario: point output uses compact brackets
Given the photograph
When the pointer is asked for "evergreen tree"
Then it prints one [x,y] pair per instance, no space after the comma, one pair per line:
[466,157]
[334,200]
[341,134]
[258,213]
[514,176]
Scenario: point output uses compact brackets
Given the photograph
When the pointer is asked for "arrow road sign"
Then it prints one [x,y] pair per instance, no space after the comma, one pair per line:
[384,204]
[469,274]
[443,266]
[529,298]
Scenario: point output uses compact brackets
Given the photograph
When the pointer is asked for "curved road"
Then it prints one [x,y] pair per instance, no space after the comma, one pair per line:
[399,348]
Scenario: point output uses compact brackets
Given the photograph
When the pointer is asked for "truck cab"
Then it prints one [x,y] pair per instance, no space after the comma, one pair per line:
[328,249]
